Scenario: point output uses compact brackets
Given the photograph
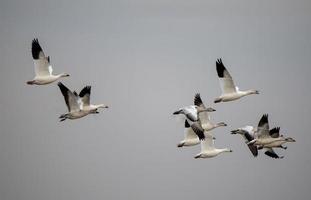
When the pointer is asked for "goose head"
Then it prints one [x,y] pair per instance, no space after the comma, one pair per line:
[289,139]
[243,130]
[64,75]
[253,92]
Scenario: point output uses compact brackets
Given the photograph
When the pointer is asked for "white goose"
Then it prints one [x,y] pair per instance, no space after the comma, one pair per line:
[203,117]
[85,99]
[43,69]
[266,138]
[208,149]
[278,140]
[74,104]
[190,138]
[248,133]
[191,112]
[229,91]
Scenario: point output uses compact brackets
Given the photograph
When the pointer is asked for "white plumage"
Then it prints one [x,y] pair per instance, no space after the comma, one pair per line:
[43,69]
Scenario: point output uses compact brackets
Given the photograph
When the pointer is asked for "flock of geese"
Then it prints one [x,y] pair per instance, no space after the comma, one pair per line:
[198,124]
[78,104]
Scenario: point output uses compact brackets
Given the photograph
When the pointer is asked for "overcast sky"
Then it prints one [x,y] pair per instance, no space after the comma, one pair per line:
[145,59]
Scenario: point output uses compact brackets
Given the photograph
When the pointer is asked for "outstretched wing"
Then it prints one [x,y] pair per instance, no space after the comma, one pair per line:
[85,95]
[189,133]
[42,63]
[70,98]
[270,152]
[263,127]
[226,82]
[198,130]
[203,117]
[275,132]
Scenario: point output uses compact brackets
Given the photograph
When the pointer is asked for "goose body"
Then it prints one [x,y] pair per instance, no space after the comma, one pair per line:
[208,149]
[84,96]
[203,117]
[249,133]
[73,103]
[229,91]
[269,138]
[43,69]
[190,138]
[191,112]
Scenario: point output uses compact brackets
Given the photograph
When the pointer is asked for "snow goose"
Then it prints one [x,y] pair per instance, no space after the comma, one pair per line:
[84,95]
[277,140]
[249,133]
[208,149]
[203,116]
[191,112]
[229,91]
[43,69]
[73,103]
[269,138]
[190,138]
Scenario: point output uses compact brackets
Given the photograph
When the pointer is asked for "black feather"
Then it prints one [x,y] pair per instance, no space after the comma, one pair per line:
[220,68]
[85,90]
[263,120]
[187,125]
[64,91]
[248,136]
[253,149]
[35,49]
[275,132]
[271,154]
[197,99]
[198,131]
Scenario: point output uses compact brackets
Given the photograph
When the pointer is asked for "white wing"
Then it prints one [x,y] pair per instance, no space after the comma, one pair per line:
[263,127]
[204,119]
[190,134]
[191,113]
[207,144]
[71,99]
[85,95]
[42,63]
[226,82]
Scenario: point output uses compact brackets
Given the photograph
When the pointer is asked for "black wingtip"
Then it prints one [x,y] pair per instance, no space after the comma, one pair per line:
[187,125]
[263,120]
[198,131]
[272,155]
[35,48]
[197,99]
[220,68]
[85,90]
[275,130]
[63,88]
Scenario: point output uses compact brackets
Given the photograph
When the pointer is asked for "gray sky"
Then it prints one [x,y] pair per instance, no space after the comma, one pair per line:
[145,59]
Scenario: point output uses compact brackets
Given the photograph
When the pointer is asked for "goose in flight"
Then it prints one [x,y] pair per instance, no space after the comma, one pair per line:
[208,149]
[269,138]
[248,133]
[191,112]
[74,104]
[43,69]
[190,138]
[229,91]
[203,117]
[84,95]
